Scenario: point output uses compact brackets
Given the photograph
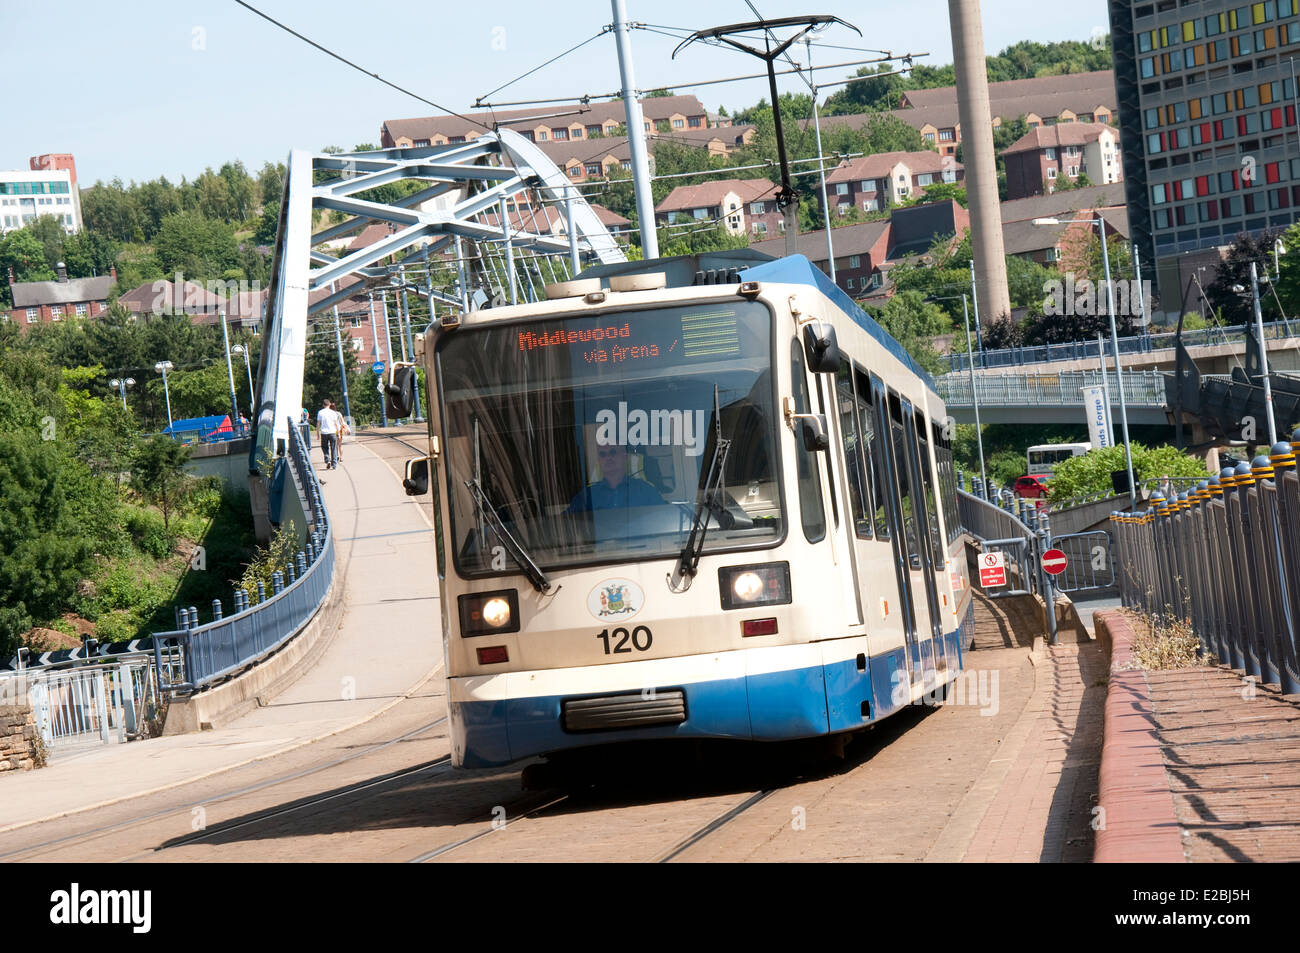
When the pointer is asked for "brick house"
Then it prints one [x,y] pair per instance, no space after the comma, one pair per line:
[743,206]
[1045,155]
[661,114]
[864,253]
[1051,245]
[42,302]
[872,183]
[243,304]
[1043,101]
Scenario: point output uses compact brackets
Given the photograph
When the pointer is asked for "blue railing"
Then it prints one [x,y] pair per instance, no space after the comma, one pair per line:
[1137,344]
[262,621]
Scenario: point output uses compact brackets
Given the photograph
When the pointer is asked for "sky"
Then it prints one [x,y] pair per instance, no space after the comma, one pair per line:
[143,88]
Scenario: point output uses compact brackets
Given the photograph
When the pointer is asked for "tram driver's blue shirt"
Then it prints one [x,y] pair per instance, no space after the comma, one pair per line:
[601,496]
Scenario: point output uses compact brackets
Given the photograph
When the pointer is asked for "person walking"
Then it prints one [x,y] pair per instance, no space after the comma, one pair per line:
[304,425]
[328,421]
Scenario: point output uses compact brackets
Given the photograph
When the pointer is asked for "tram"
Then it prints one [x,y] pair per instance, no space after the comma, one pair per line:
[702,497]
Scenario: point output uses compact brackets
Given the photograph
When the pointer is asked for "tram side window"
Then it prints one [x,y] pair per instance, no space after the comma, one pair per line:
[854,458]
[877,434]
[947,484]
[928,484]
[902,474]
[811,511]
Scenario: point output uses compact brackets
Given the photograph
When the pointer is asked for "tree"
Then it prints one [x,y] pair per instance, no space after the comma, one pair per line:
[158,473]
[1238,307]
[24,253]
[914,323]
[200,248]
[89,253]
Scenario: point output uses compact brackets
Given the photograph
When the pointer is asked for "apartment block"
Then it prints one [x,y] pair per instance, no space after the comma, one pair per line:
[1207,114]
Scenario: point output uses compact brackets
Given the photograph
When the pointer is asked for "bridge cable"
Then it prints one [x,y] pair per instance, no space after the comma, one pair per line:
[362,69]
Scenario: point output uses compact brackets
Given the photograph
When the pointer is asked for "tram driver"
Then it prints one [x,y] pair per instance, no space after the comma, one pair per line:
[616,489]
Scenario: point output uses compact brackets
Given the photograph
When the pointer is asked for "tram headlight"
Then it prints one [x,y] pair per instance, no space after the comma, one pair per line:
[489,613]
[743,587]
[496,612]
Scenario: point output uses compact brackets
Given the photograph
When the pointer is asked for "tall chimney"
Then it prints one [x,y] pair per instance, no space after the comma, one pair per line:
[977,156]
[62,270]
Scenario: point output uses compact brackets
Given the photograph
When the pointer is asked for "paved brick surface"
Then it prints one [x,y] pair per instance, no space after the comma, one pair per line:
[1232,759]
[1043,807]
[1199,764]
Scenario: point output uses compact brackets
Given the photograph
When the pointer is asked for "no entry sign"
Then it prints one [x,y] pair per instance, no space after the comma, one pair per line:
[1054,562]
[993,570]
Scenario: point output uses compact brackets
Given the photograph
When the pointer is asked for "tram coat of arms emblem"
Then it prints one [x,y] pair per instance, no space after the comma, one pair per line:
[615,599]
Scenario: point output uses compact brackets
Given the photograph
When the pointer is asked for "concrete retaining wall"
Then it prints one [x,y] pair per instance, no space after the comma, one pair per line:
[227,460]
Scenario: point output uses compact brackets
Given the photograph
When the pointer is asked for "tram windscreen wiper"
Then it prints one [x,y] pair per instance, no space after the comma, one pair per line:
[689,560]
[488,514]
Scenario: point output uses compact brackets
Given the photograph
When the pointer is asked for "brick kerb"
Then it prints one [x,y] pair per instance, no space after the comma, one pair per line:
[1133,788]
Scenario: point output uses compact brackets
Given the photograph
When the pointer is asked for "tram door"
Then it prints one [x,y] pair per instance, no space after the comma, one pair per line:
[889,425]
[926,523]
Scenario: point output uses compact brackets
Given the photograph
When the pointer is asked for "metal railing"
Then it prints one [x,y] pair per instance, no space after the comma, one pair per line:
[262,621]
[1001,528]
[1141,388]
[91,704]
[1135,344]
[1225,557]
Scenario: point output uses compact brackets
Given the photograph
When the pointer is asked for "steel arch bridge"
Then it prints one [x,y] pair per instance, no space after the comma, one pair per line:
[480,199]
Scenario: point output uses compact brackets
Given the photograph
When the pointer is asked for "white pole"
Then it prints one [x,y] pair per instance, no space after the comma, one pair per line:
[1263,356]
[970,360]
[645,209]
[1119,368]
[821,162]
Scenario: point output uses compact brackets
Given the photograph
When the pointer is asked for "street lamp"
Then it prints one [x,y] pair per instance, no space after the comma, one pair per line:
[162,367]
[1278,249]
[1263,347]
[1114,343]
[979,333]
[243,352]
[122,383]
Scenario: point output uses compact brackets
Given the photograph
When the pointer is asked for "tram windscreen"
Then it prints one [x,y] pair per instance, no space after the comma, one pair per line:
[591,437]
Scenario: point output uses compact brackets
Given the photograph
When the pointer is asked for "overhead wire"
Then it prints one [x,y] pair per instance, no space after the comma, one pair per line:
[358,67]
[603,31]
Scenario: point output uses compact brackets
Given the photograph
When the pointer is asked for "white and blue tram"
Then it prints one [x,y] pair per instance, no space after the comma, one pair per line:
[686,499]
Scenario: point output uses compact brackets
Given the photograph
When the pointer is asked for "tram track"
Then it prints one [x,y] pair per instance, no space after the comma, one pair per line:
[82,838]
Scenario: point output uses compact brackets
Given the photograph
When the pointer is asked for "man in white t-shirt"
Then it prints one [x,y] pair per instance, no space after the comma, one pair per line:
[329,423]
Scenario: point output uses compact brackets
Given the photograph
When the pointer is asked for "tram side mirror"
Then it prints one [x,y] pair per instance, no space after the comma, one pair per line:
[812,428]
[822,349]
[399,392]
[416,482]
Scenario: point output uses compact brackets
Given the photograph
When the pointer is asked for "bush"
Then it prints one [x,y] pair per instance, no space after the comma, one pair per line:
[205,499]
[1165,643]
[148,532]
[270,559]
[1091,473]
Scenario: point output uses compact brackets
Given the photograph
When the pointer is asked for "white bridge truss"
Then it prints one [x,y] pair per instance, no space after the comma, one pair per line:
[496,203]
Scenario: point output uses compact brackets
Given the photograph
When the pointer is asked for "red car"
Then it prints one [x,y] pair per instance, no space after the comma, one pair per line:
[1031,487]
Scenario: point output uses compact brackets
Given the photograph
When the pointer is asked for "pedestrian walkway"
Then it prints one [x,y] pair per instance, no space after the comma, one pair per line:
[1047,765]
[1221,759]
[383,644]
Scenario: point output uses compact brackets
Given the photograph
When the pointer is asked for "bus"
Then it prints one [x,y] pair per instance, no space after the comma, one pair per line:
[668,507]
[1044,458]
